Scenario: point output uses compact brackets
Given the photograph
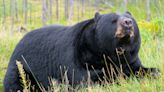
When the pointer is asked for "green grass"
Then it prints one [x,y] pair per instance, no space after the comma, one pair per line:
[151,52]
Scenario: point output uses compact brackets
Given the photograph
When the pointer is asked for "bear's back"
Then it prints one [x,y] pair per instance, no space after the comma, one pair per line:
[39,45]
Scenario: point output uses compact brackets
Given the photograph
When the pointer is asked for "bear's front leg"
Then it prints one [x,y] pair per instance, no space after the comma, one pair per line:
[12,81]
[139,70]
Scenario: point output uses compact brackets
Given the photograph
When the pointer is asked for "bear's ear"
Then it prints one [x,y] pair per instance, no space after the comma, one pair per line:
[127,12]
[97,17]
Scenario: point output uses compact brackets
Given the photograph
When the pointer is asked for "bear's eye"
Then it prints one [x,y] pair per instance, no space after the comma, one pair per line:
[114,21]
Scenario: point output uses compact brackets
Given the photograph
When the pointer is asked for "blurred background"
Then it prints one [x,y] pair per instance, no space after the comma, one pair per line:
[17,17]
[29,14]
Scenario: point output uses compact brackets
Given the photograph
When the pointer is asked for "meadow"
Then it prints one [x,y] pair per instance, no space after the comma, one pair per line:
[151,51]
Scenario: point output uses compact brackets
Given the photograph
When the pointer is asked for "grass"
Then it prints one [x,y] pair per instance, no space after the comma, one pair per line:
[151,52]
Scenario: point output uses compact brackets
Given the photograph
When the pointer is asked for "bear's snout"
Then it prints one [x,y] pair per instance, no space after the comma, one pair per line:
[127,23]
[124,28]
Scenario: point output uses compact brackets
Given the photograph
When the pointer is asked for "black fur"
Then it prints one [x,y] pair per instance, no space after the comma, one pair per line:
[52,50]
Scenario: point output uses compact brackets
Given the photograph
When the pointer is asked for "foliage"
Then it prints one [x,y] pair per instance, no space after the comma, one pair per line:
[154,26]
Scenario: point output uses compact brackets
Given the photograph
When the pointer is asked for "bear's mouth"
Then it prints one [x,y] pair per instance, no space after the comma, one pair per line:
[124,34]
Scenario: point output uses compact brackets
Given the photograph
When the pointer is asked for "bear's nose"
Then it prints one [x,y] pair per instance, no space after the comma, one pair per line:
[127,23]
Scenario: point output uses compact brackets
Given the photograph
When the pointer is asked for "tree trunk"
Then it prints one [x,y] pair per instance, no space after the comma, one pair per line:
[78,12]
[12,15]
[83,10]
[57,9]
[22,8]
[148,9]
[26,11]
[50,8]
[71,9]
[30,13]
[12,8]
[125,4]
[157,7]
[16,10]
[66,6]
[44,12]
[4,11]
[97,5]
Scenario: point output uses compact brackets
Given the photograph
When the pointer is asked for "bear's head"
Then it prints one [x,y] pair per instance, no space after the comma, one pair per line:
[116,31]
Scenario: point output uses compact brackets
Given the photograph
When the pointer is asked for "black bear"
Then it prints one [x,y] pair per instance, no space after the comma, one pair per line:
[87,49]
